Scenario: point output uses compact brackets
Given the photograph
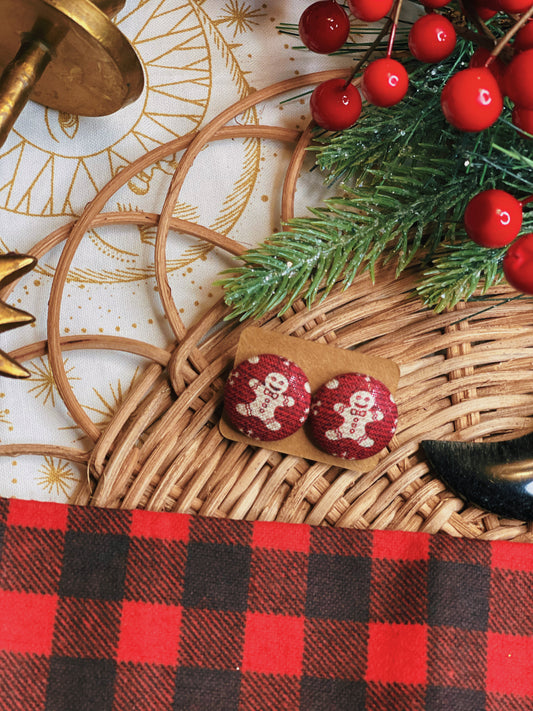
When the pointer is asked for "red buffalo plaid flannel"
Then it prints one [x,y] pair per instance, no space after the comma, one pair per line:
[132,610]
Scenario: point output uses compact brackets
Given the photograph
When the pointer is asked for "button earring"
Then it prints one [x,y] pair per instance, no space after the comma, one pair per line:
[267,397]
[353,416]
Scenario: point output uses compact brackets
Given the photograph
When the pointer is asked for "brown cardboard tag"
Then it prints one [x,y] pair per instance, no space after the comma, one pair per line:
[320,363]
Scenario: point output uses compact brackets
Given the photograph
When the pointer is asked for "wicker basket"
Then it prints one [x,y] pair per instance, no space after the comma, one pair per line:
[463,377]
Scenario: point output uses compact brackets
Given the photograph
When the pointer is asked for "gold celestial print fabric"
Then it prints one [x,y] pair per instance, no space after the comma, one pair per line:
[198,58]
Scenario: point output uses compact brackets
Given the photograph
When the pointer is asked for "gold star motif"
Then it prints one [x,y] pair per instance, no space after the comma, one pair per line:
[58,477]
[43,377]
[240,15]
[13,266]
[110,404]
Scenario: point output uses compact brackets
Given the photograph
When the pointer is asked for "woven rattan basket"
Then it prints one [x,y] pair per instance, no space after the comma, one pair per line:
[464,375]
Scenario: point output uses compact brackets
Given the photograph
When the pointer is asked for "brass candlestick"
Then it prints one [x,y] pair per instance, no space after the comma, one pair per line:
[67,55]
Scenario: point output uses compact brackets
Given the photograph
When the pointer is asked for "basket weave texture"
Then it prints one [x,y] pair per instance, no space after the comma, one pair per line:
[464,375]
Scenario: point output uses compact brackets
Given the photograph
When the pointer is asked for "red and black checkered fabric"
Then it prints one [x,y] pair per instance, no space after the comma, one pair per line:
[132,610]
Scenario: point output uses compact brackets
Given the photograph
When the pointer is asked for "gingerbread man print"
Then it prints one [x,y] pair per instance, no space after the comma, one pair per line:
[268,397]
[353,416]
[356,417]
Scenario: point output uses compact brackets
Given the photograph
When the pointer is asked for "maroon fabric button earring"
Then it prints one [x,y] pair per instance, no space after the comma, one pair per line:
[267,397]
[353,416]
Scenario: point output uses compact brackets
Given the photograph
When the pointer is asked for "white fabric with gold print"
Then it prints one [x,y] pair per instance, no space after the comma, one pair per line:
[198,58]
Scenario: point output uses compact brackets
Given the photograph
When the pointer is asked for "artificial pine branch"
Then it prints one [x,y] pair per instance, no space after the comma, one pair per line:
[406,177]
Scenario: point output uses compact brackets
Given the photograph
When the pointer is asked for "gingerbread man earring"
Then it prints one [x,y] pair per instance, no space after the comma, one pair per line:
[267,397]
[353,416]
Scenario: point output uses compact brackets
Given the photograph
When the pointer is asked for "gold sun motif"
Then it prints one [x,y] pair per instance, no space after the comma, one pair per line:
[56,477]
[240,16]
[41,374]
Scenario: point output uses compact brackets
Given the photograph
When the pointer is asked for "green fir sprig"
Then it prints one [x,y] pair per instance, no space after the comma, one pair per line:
[404,178]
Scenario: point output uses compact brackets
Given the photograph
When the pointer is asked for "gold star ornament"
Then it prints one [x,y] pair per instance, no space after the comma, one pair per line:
[13,266]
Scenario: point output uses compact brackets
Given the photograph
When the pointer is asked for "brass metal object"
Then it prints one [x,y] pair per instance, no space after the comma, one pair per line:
[66,55]
[13,266]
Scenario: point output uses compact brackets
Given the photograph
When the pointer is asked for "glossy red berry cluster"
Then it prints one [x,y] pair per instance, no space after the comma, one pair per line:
[324,27]
[474,100]
[471,100]
[493,219]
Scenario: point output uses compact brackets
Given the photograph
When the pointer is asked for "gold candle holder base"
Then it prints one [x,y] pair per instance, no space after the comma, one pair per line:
[66,55]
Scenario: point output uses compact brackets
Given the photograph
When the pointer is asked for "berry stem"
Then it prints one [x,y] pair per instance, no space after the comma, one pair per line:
[505,39]
[369,52]
[394,26]
[526,200]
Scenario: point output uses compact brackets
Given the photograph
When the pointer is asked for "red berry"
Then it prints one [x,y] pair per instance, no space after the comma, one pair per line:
[488,4]
[523,120]
[433,4]
[335,105]
[369,10]
[486,8]
[493,218]
[514,6]
[384,82]
[471,99]
[485,13]
[432,38]
[496,66]
[518,264]
[524,37]
[518,84]
[324,26]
